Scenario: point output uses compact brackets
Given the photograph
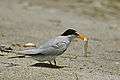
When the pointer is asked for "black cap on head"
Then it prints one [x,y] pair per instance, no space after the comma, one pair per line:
[69,32]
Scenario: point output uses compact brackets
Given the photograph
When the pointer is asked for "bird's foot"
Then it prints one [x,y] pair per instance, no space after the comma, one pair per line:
[50,62]
[54,62]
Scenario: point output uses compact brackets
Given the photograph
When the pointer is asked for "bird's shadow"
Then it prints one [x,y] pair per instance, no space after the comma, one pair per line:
[47,65]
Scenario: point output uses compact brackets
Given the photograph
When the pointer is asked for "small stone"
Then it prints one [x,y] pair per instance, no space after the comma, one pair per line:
[29,45]
[117,63]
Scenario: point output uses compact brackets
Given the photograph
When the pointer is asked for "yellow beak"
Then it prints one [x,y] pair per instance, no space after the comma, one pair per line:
[83,37]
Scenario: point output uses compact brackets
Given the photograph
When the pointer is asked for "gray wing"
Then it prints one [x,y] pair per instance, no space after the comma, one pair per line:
[55,46]
[39,51]
[55,49]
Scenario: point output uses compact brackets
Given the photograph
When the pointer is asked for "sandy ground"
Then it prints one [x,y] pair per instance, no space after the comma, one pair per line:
[36,21]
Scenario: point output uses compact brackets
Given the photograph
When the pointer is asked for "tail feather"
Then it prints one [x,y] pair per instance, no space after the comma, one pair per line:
[17,57]
[19,53]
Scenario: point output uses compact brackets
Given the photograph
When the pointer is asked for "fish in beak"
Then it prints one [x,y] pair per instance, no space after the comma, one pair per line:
[85,39]
[82,37]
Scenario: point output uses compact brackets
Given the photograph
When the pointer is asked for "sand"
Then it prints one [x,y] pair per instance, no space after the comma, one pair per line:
[36,21]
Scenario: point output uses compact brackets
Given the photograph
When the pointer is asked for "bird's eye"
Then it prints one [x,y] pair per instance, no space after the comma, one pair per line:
[76,34]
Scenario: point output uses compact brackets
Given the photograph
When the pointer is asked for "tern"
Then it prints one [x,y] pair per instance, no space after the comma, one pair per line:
[53,47]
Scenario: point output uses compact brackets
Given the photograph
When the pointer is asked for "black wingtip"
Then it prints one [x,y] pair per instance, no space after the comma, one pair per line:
[16,57]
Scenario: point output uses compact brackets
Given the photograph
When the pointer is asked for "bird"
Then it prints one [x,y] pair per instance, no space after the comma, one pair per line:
[53,47]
